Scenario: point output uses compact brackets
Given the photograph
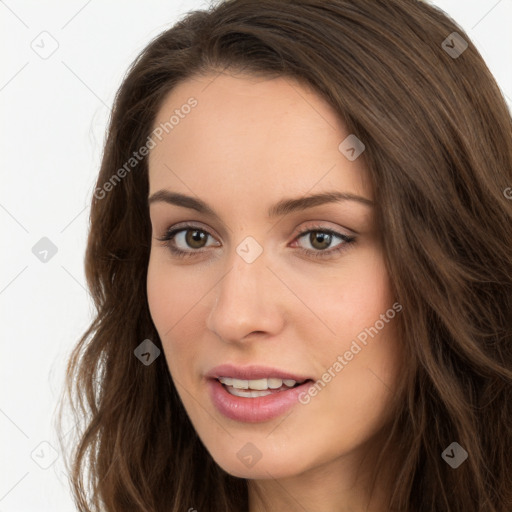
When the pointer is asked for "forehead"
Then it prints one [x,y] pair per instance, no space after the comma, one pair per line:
[252,136]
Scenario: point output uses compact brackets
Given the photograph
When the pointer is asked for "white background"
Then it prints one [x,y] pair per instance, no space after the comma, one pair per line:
[54,114]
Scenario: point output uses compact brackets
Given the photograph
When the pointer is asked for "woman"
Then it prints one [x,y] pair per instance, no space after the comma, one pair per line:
[300,259]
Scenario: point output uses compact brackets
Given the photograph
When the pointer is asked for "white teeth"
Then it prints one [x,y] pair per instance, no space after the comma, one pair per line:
[240,384]
[257,384]
[247,394]
[274,383]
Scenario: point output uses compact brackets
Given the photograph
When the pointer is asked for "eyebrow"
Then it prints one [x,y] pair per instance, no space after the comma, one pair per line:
[283,207]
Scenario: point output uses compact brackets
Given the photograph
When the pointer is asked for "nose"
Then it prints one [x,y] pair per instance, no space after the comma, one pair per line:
[248,300]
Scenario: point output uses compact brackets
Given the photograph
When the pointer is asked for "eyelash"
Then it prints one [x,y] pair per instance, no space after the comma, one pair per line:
[168,240]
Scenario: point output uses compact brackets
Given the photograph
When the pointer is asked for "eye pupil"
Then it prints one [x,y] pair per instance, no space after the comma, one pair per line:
[194,237]
[317,236]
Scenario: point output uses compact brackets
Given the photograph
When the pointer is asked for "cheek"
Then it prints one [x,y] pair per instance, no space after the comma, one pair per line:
[354,298]
[373,324]
[361,314]
[161,300]
[167,299]
[174,300]
[371,297]
[171,293]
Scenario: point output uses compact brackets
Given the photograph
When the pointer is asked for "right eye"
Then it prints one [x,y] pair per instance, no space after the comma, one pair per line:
[191,238]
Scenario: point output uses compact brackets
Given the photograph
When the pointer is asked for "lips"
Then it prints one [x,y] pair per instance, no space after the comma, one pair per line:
[254,409]
[254,372]
[250,393]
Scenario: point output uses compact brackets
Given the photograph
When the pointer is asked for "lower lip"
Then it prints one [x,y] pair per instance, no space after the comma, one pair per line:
[254,410]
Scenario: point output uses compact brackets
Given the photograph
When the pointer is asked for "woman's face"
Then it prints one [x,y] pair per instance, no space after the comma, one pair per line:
[272,283]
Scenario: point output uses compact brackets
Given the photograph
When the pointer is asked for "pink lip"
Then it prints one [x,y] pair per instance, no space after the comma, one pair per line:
[254,410]
[252,372]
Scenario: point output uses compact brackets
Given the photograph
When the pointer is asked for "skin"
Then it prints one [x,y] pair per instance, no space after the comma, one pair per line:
[249,143]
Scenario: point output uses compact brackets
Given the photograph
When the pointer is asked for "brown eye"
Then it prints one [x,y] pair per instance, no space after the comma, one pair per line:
[195,238]
[187,241]
[320,240]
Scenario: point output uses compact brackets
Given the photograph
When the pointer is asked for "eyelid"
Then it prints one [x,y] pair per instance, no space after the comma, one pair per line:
[320,225]
[183,226]
[310,225]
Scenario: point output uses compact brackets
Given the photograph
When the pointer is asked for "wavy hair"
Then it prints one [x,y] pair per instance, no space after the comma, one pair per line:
[438,137]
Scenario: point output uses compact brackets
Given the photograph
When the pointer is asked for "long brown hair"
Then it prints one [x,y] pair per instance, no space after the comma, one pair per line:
[438,137]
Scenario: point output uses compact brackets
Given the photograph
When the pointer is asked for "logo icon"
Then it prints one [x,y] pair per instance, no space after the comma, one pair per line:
[454,45]
[249,249]
[454,455]
[45,45]
[147,352]
[249,455]
[351,147]
[44,455]
[44,250]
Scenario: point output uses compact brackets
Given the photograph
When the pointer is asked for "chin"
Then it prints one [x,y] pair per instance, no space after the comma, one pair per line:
[249,462]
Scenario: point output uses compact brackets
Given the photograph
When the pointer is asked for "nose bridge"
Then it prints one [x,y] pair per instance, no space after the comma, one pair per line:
[247,269]
[245,298]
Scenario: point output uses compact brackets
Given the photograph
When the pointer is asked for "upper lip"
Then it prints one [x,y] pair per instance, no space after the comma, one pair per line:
[253,372]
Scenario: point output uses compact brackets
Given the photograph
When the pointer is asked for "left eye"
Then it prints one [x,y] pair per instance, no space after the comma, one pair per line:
[321,239]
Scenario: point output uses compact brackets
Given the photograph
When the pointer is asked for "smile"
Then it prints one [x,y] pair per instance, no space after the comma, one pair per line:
[254,401]
[257,387]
